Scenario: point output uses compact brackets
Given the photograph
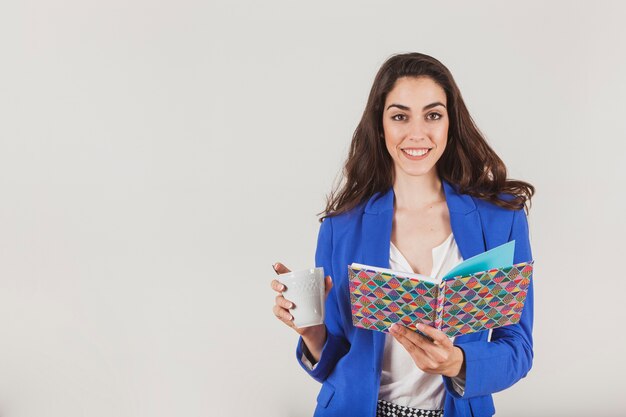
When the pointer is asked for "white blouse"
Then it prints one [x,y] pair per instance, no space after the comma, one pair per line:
[401,381]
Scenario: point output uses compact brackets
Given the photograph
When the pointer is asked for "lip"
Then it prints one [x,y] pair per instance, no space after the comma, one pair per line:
[416,158]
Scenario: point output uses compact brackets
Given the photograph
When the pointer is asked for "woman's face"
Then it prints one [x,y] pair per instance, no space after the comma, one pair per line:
[415,124]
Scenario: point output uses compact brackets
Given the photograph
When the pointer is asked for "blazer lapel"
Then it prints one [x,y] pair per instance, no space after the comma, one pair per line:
[465,222]
[377,223]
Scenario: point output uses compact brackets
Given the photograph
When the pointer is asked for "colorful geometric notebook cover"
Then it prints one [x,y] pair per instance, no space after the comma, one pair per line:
[459,305]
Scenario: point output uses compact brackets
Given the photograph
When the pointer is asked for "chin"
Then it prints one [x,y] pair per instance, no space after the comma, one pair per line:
[419,172]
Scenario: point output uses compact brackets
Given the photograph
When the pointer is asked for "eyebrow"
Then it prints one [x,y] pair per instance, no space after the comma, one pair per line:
[426,107]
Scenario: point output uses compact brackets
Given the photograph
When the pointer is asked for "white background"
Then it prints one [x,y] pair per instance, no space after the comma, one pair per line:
[156,157]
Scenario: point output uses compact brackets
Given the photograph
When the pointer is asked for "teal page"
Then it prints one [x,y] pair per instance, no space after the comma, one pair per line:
[498,257]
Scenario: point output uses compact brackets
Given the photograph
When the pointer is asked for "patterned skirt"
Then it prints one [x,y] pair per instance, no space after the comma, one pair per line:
[387,409]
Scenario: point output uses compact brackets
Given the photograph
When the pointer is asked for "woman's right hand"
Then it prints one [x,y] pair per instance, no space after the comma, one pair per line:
[314,336]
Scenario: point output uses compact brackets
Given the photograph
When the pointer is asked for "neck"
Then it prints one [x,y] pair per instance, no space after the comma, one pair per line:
[414,193]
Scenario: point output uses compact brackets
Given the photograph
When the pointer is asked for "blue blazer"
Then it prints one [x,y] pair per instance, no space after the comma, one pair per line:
[350,364]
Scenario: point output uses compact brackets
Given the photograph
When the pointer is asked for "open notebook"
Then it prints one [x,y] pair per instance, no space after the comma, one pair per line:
[482,292]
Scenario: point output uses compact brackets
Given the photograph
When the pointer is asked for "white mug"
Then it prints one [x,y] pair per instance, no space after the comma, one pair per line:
[305,289]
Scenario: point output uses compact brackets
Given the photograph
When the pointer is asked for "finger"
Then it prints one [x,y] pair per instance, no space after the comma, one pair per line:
[413,336]
[280,268]
[277,286]
[407,338]
[328,282]
[282,314]
[437,335]
[435,350]
[283,302]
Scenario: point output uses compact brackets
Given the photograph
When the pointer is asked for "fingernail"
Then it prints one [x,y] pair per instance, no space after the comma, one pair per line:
[420,326]
[290,305]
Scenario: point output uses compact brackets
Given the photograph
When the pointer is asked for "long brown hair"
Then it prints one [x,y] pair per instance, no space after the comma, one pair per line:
[468,162]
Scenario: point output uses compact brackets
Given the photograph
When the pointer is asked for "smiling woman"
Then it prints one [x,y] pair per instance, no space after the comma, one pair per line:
[423,191]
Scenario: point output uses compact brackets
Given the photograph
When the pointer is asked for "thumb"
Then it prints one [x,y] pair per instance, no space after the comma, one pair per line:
[328,282]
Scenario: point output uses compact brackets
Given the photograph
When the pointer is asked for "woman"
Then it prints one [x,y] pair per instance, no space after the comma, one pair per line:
[423,191]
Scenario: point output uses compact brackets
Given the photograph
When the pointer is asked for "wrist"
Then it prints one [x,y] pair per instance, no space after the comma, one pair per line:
[457,367]
[314,340]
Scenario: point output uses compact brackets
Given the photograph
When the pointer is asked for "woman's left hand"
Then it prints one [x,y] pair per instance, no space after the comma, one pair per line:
[439,356]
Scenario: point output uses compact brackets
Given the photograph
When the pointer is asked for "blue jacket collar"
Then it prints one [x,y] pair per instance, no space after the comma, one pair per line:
[465,222]
[457,203]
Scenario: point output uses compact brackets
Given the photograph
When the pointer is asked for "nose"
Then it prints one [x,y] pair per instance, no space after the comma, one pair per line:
[417,130]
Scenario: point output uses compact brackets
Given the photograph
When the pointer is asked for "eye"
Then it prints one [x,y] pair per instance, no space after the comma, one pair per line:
[437,116]
[401,115]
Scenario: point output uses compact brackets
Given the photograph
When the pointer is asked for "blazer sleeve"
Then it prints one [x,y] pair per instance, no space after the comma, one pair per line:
[492,366]
[336,345]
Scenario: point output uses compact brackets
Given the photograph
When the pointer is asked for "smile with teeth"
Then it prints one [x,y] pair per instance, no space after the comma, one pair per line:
[416,152]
